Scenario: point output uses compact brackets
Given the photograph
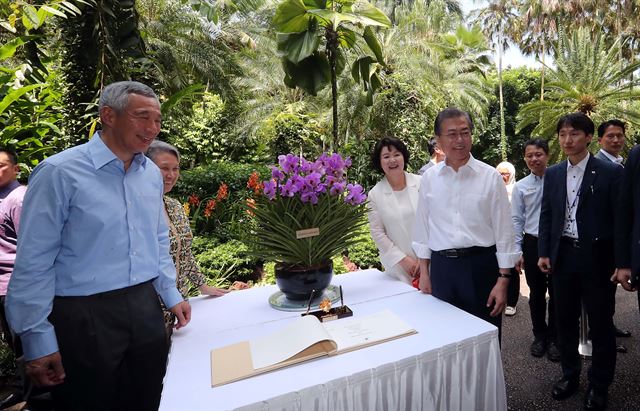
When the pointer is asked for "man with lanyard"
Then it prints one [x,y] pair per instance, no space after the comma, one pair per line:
[463,230]
[92,258]
[576,248]
[525,211]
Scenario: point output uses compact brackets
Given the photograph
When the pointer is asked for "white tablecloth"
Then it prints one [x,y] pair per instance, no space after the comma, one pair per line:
[453,363]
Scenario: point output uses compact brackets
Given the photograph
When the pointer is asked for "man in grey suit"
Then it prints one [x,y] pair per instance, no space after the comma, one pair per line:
[611,138]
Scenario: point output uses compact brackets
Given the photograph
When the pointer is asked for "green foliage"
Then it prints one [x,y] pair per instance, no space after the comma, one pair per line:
[225,263]
[199,136]
[364,253]
[276,223]
[586,78]
[7,360]
[340,26]
[520,86]
[204,182]
[339,267]
[291,133]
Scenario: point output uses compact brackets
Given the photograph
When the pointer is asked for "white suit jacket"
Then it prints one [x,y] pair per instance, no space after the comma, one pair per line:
[390,231]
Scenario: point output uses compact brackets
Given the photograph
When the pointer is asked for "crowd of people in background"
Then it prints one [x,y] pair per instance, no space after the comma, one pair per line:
[100,241]
[572,228]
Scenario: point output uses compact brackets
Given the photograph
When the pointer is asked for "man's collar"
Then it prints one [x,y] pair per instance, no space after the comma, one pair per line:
[582,165]
[611,156]
[472,163]
[101,155]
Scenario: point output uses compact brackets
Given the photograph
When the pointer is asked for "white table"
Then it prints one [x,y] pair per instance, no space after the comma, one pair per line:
[453,363]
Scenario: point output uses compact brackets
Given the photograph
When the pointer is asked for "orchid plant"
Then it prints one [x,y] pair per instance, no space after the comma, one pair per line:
[308,211]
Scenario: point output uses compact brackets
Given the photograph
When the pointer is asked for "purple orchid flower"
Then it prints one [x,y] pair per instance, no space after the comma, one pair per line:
[289,189]
[270,189]
[355,195]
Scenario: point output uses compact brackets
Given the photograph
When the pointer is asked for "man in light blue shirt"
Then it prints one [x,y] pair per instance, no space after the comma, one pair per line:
[525,211]
[93,254]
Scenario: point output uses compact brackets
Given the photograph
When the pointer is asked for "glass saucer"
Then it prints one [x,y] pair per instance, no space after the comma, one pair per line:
[278,300]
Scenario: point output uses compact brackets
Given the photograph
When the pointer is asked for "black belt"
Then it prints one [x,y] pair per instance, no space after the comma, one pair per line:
[464,252]
[572,242]
[110,294]
[531,236]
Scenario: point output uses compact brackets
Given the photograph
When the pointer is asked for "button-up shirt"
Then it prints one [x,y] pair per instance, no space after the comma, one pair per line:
[526,199]
[88,226]
[464,209]
[617,160]
[575,173]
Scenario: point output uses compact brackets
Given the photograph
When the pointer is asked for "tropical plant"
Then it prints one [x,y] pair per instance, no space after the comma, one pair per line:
[496,19]
[308,212]
[586,78]
[303,26]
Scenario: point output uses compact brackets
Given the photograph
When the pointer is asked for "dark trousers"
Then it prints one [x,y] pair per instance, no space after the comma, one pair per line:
[513,292]
[577,277]
[114,350]
[539,283]
[466,282]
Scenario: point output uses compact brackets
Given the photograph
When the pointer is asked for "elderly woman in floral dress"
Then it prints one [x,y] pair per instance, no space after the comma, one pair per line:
[167,158]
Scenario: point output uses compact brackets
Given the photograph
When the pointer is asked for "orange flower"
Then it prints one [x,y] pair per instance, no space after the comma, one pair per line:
[194,200]
[211,204]
[254,181]
[251,203]
[223,192]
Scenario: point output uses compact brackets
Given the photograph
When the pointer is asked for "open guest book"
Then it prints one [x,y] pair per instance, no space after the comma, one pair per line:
[304,339]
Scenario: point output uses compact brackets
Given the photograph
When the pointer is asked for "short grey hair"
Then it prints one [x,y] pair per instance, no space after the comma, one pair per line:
[116,95]
[157,147]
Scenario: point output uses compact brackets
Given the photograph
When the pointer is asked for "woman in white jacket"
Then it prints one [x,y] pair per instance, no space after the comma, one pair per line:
[392,209]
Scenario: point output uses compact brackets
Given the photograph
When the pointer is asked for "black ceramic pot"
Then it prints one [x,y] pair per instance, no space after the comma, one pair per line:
[297,282]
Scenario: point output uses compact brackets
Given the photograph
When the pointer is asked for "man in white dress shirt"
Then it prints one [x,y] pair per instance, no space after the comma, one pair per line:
[463,232]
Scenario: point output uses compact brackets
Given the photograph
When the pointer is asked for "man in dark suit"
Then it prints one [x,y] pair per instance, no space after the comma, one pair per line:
[611,137]
[576,246]
[628,225]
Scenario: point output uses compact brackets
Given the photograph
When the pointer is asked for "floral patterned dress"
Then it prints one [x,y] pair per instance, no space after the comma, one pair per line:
[180,237]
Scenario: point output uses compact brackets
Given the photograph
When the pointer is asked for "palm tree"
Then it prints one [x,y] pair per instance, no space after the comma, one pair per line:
[540,29]
[586,78]
[496,20]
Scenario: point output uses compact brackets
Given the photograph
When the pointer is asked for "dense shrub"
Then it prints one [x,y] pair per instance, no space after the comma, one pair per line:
[217,196]
[225,263]
[365,253]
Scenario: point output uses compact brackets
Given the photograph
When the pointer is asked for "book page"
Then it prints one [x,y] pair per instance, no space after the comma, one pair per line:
[287,342]
[358,332]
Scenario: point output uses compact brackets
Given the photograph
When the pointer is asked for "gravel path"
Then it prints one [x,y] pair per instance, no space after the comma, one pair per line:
[529,380]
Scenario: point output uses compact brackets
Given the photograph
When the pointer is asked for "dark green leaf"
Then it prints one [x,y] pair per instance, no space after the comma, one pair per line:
[297,46]
[374,44]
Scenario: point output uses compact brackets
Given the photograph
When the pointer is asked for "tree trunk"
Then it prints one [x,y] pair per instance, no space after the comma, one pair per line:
[503,133]
[332,48]
[542,73]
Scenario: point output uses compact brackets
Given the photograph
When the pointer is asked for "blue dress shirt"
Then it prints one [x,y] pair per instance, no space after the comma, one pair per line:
[526,199]
[87,227]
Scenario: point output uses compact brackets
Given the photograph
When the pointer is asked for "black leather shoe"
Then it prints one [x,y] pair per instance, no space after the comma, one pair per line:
[595,399]
[564,388]
[621,348]
[622,333]
[553,352]
[538,347]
